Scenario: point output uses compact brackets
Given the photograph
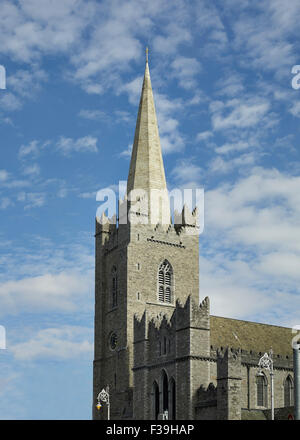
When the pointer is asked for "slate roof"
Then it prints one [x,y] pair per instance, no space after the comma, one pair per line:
[250,336]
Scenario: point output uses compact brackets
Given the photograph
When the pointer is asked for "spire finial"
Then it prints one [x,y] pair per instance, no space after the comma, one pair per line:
[147,50]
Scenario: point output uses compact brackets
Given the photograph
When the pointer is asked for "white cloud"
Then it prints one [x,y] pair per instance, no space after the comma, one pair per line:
[187,173]
[32,149]
[40,276]
[93,115]
[261,209]
[232,147]
[9,102]
[62,192]
[295,109]
[32,170]
[186,69]
[66,342]
[126,153]
[174,35]
[230,85]
[263,37]
[64,145]
[211,28]
[204,135]
[31,200]
[284,265]
[238,113]
[5,202]
[250,251]
[29,29]
[26,83]
[229,284]
[88,195]
[84,144]
[133,89]
[42,293]
[170,137]
[11,183]
[3,175]
[225,166]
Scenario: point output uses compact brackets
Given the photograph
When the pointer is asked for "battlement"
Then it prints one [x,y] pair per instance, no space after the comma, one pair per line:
[197,315]
[186,217]
[184,316]
[175,233]
[251,357]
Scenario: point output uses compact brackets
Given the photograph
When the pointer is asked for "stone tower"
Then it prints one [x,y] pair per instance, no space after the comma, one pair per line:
[144,263]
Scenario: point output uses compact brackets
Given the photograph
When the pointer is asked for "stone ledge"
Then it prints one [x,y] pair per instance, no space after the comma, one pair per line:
[166,242]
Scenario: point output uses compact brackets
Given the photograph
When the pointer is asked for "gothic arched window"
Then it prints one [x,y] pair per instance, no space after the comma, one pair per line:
[288,392]
[261,388]
[114,287]
[165,282]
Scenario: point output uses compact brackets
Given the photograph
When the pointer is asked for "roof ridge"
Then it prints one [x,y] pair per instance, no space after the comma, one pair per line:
[251,322]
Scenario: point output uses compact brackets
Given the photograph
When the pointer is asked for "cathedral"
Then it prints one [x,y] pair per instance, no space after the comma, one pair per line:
[158,350]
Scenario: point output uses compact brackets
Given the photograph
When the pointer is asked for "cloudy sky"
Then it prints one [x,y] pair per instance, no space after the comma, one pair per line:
[229,122]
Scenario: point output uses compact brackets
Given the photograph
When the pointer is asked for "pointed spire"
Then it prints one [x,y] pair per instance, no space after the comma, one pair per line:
[146,170]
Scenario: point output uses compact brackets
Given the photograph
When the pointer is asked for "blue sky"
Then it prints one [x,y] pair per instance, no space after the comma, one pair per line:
[229,122]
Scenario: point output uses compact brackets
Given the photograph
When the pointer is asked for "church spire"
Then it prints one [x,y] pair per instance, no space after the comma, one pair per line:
[146,170]
[146,167]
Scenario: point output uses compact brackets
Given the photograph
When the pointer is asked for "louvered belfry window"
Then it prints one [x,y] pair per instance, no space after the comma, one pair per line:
[165,280]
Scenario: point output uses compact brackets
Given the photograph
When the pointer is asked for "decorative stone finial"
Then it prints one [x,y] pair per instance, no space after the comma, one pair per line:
[147,50]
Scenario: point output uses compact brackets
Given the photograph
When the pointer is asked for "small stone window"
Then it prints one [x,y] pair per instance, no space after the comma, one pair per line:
[114,287]
[165,345]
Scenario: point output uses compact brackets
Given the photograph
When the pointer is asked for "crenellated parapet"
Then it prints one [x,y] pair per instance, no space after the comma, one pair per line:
[184,316]
[196,315]
[251,357]
[186,217]
[106,232]
[132,219]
